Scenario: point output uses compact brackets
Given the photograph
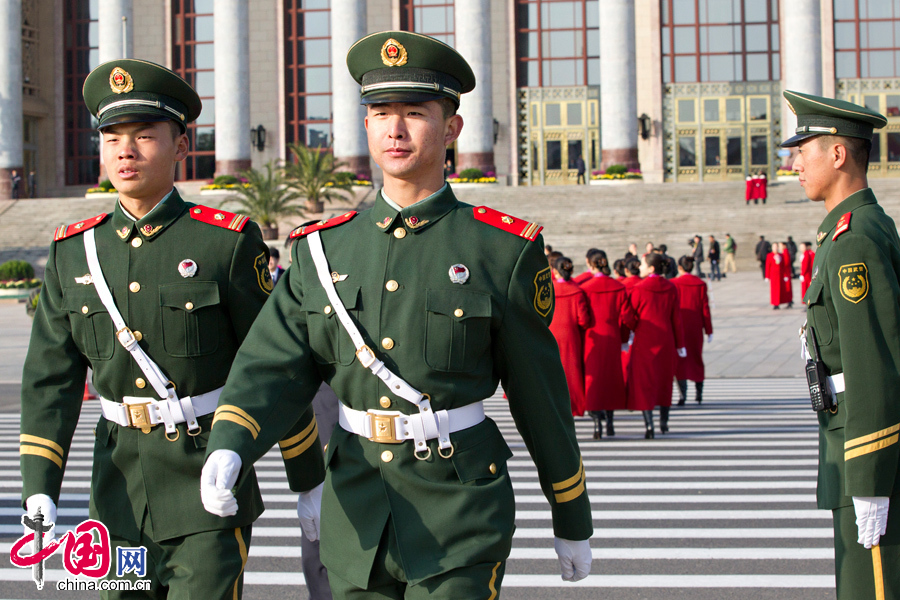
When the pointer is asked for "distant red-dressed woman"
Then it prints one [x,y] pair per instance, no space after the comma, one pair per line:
[571,317]
[776,272]
[696,321]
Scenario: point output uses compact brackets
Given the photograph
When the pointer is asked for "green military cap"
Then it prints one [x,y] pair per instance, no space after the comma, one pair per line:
[401,66]
[136,91]
[826,116]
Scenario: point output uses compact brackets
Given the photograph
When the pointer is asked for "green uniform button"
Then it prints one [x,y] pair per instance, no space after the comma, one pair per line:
[400,233]
[135,287]
[385,402]
[387,456]
[136,242]
[387,343]
[140,383]
[392,286]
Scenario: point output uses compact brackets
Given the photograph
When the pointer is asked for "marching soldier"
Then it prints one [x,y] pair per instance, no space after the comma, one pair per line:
[413,311]
[853,312]
[155,298]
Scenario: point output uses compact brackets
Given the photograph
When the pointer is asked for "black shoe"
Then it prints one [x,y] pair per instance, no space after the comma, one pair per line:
[648,435]
[790,305]
[597,435]
[610,430]
[775,307]
[664,428]
[681,402]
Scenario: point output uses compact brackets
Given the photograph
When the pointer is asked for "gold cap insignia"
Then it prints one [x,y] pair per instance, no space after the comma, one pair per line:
[393,54]
[120,81]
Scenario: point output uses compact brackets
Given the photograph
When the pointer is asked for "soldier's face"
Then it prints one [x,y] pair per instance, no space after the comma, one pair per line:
[409,141]
[140,158]
[816,167]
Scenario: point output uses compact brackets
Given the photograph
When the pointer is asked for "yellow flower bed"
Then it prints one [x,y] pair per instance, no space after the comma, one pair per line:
[784,173]
[229,186]
[606,176]
[99,190]
[479,180]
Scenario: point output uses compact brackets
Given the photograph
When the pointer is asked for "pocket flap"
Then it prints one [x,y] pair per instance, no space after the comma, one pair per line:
[476,461]
[189,296]
[813,293]
[83,300]
[316,300]
[458,304]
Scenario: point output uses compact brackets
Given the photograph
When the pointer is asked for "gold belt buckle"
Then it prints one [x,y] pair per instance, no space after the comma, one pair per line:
[139,416]
[383,429]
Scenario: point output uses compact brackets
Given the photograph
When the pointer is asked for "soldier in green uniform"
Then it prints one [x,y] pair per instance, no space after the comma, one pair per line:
[413,311]
[853,333]
[155,298]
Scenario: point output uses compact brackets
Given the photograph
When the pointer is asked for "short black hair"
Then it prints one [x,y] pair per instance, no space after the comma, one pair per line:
[858,149]
[448,107]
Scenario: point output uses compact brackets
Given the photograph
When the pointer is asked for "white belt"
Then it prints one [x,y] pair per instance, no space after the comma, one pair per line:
[144,413]
[836,383]
[393,427]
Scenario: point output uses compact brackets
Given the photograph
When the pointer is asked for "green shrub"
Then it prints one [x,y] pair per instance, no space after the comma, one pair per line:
[344,177]
[106,185]
[32,302]
[471,173]
[226,180]
[16,270]
[616,170]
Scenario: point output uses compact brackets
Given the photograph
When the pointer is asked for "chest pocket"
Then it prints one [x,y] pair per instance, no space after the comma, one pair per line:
[191,318]
[329,340]
[457,329]
[817,314]
[92,327]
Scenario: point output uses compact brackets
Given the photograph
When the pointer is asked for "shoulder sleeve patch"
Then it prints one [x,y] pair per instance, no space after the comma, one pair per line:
[263,277]
[304,230]
[842,226]
[519,227]
[543,292]
[219,218]
[854,282]
[65,231]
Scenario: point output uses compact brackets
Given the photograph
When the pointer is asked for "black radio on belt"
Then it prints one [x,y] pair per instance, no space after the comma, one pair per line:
[817,379]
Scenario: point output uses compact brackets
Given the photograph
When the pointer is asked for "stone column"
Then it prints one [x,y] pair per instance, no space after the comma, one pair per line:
[348,24]
[11,124]
[110,28]
[475,147]
[232,55]
[801,54]
[618,85]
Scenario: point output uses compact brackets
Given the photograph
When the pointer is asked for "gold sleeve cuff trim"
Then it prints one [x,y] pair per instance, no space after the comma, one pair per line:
[239,411]
[48,454]
[227,416]
[298,450]
[571,494]
[872,436]
[293,440]
[33,439]
[869,448]
[571,480]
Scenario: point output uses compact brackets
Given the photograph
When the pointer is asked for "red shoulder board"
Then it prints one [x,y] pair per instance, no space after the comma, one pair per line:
[65,231]
[318,226]
[842,226]
[519,227]
[219,218]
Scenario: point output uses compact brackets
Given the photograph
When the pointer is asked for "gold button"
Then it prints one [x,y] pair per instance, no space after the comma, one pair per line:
[387,343]
[400,233]
[84,309]
[458,312]
[392,286]
[138,335]
[135,287]
[136,242]
[493,469]
[385,402]
[387,456]
[197,211]
[140,383]
[481,211]
[328,310]
[325,449]
[189,305]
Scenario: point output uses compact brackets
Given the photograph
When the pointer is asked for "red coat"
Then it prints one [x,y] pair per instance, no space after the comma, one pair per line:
[657,335]
[581,278]
[629,283]
[750,191]
[604,379]
[775,273]
[786,277]
[696,320]
[571,317]
[761,187]
[806,270]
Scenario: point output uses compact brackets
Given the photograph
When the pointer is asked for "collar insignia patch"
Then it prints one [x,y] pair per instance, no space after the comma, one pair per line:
[384,223]
[123,233]
[414,222]
[820,237]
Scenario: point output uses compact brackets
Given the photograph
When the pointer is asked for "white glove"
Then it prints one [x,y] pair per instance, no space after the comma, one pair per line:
[787,278]
[682,352]
[871,518]
[709,339]
[48,510]
[216,480]
[574,558]
[801,278]
[309,509]
[625,347]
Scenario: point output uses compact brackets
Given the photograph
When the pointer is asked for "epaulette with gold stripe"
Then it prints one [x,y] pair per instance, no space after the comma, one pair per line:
[219,218]
[842,225]
[320,225]
[300,443]
[510,224]
[61,233]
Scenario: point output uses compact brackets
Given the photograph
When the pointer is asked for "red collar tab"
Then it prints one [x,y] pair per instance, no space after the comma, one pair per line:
[510,224]
[219,218]
[842,226]
[305,230]
[65,231]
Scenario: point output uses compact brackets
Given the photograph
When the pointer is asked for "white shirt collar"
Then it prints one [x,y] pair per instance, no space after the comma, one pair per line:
[132,217]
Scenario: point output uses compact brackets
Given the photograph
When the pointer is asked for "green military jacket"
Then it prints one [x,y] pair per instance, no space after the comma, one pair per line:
[190,326]
[454,342]
[853,306]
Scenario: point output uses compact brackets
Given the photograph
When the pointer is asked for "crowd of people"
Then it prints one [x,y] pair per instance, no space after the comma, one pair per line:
[776,261]
[626,331]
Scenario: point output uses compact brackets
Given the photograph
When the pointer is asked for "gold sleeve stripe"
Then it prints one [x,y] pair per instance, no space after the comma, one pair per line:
[239,411]
[570,481]
[571,494]
[33,439]
[291,441]
[869,448]
[48,454]
[491,588]
[872,436]
[226,416]
[298,450]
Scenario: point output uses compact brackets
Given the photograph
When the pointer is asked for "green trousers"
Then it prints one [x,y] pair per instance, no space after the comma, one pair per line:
[862,574]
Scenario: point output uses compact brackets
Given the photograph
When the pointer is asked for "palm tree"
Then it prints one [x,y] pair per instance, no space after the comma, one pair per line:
[313,174]
[267,198]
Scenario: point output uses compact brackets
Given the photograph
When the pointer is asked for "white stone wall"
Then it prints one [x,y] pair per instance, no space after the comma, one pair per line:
[266,89]
[149,32]
[801,54]
[11,87]
[648,63]
[504,89]
[115,25]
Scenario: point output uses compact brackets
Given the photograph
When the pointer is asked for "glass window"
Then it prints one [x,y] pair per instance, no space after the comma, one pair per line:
[562,44]
[757,38]
[318,80]
[844,9]
[317,52]
[845,65]
[875,153]
[712,157]
[892,105]
[754,12]
[733,109]
[685,40]
[203,29]
[735,157]
[318,108]
[711,110]
[877,9]
[558,49]
[686,111]
[872,103]
[685,68]
[573,113]
[574,152]
[844,36]
[893,146]
[759,150]
[687,152]
[553,115]
[721,68]
[881,34]
[554,155]
[318,135]
[683,12]
[758,109]
[757,67]
[316,24]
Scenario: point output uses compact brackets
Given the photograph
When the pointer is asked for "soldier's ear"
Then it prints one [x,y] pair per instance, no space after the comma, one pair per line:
[453,129]
[838,155]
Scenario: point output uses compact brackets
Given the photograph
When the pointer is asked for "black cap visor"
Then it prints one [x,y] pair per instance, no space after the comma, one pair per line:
[795,141]
[149,116]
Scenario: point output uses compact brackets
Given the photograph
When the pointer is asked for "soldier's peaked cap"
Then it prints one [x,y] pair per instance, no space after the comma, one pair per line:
[817,115]
[137,91]
[401,66]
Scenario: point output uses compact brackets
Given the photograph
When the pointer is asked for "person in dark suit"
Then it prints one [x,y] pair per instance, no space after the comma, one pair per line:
[275,270]
[763,248]
[697,245]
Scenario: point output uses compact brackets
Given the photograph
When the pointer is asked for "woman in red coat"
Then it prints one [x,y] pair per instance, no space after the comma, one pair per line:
[571,317]
[806,267]
[695,320]
[787,274]
[657,341]
[587,275]
[604,380]
[775,276]
[633,272]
